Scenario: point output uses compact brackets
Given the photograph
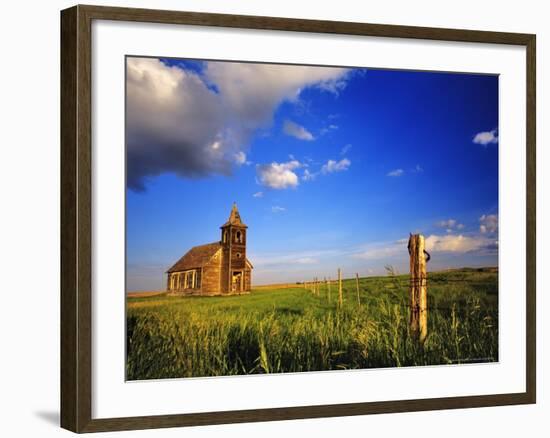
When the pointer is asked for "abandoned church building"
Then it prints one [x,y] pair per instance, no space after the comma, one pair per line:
[219,268]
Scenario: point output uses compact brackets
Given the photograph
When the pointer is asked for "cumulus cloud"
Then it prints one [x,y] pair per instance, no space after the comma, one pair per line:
[194,124]
[167,130]
[396,172]
[448,243]
[277,209]
[486,137]
[278,175]
[335,166]
[334,86]
[456,243]
[450,225]
[331,166]
[297,131]
[488,223]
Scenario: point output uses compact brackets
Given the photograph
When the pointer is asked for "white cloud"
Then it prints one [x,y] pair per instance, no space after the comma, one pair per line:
[258,195]
[455,243]
[240,158]
[333,86]
[278,175]
[295,130]
[193,124]
[306,261]
[329,128]
[335,166]
[380,251]
[488,223]
[450,225]
[448,243]
[446,251]
[309,176]
[331,166]
[486,137]
[345,149]
[396,172]
[277,209]
[418,169]
[289,258]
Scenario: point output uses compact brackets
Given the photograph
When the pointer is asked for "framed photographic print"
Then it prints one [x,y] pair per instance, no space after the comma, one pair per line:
[268,218]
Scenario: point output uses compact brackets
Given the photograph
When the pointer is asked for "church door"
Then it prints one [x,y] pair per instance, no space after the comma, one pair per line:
[236,282]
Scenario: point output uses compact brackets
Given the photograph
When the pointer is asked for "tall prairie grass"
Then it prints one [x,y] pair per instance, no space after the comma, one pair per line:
[293,330]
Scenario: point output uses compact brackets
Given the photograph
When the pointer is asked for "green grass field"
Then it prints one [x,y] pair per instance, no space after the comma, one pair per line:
[292,330]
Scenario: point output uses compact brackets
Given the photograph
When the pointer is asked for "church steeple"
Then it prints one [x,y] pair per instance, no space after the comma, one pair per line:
[234,217]
[234,230]
[234,252]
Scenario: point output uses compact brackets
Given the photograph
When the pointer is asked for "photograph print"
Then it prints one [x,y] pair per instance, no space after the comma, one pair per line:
[299,218]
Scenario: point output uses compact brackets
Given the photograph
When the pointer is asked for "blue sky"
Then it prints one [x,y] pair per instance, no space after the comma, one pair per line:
[330,167]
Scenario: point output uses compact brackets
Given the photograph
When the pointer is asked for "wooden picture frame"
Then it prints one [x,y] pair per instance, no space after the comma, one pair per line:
[76,218]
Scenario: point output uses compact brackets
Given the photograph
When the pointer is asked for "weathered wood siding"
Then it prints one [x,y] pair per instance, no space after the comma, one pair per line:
[247,279]
[223,264]
[224,272]
[211,275]
[238,249]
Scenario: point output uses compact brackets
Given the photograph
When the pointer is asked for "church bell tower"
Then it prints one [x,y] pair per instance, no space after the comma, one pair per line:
[233,241]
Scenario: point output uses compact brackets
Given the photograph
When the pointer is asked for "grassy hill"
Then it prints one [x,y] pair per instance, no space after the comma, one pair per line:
[292,329]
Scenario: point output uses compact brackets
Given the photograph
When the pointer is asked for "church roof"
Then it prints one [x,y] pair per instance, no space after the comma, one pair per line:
[196,257]
[234,217]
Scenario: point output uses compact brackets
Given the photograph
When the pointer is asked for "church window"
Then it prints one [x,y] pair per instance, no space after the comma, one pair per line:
[189,280]
[198,279]
[239,237]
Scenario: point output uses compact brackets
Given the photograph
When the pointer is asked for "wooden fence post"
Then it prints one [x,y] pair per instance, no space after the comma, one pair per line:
[357,287]
[340,293]
[418,289]
[329,281]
